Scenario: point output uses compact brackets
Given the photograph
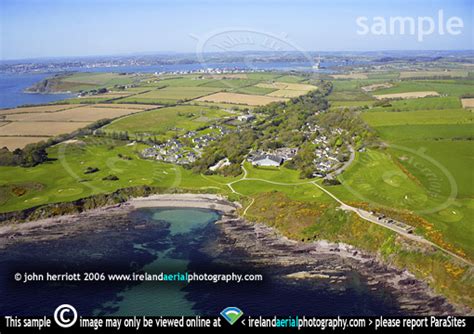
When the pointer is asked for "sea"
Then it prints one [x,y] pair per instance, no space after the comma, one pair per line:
[12,86]
[169,240]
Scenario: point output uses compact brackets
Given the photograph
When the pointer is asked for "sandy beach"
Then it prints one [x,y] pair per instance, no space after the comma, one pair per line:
[203,201]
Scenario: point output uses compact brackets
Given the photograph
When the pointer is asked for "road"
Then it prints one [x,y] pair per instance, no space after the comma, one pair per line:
[344,166]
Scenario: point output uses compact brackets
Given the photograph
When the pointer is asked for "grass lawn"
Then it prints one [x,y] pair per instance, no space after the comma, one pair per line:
[70,182]
[304,192]
[376,178]
[281,174]
[431,161]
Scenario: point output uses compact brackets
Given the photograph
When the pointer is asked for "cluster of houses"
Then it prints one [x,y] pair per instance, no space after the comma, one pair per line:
[174,151]
[327,157]
[210,70]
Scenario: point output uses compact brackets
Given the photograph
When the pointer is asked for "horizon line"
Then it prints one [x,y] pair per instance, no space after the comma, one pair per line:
[170,52]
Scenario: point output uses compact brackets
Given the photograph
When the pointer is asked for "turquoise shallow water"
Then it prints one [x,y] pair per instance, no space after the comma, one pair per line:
[164,298]
[168,240]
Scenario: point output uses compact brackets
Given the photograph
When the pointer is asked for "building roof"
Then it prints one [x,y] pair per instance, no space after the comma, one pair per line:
[271,157]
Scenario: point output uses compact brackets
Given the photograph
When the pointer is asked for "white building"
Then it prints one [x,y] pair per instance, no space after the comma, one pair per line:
[267,160]
[246,117]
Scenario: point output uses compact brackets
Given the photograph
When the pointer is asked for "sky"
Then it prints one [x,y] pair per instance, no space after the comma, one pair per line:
[63,28]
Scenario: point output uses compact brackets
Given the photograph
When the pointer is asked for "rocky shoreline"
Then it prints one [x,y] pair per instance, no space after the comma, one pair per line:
[328,263]
[331,263]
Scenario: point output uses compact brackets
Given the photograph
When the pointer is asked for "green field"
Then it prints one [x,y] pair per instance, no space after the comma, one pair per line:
[101,79]
[70,182]
[230,84]
[169,95]
[446,116]
[171,119]
[254,90]
[349,90]
[304,192]
[349,103]
[427,103]
[292,79]
[264,76]
[445,87]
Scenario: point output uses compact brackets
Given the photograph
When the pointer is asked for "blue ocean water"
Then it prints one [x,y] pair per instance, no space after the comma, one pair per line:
[166,240]
[12,88]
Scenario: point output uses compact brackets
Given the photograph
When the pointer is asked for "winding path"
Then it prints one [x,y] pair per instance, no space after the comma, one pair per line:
[360,212]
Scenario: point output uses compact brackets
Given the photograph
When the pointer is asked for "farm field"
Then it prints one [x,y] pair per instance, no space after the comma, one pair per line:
[284,85]
[350,104]
[38,123]
[15,142]
[349,90]
[289,78]
[101,79]
[352,76]
[467,103]
[427,103]
[80,114]
[234,98]
[126,106]
[443,116]
[450,87]
[256,90]
[408,95]
[428,74]
[110,95]
[164,120]
[225,106]
[287,93]
[85,81]
[373,87]
[170,95]
[39,109]
[38,130]
[230,84]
